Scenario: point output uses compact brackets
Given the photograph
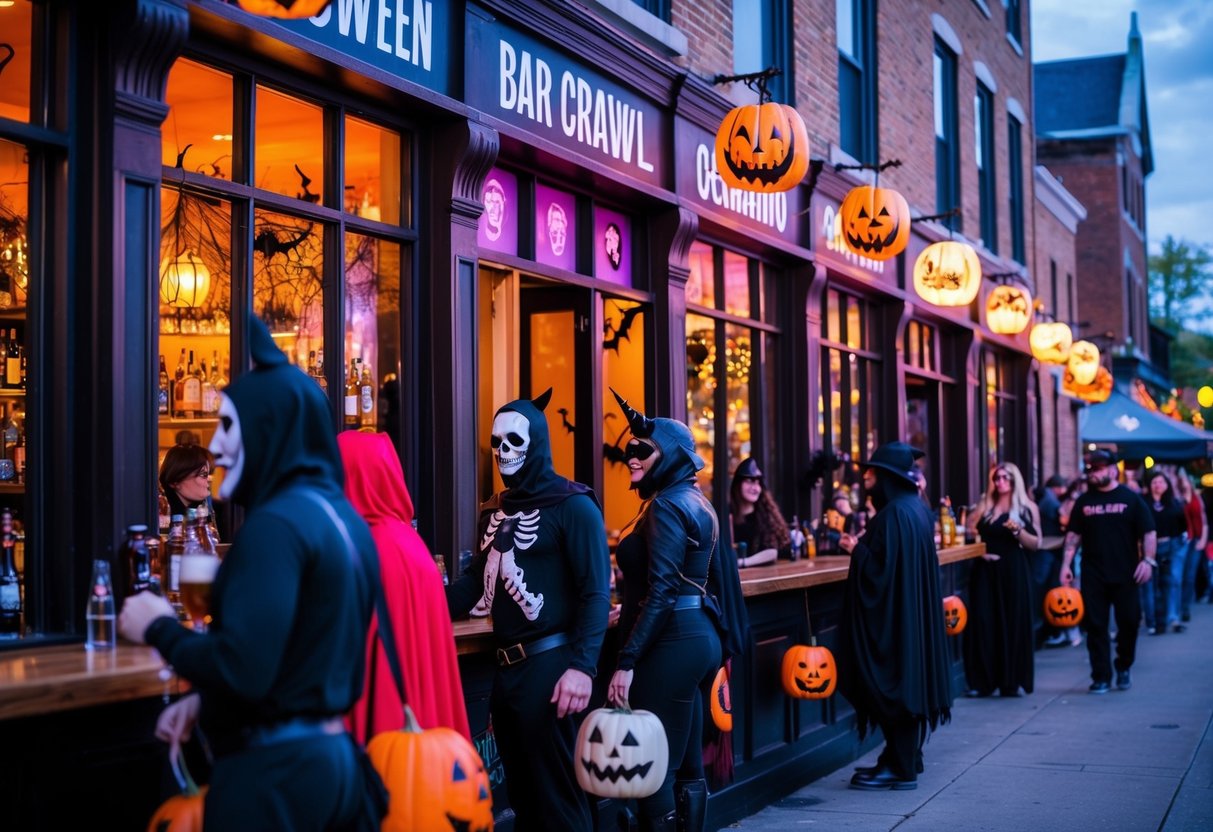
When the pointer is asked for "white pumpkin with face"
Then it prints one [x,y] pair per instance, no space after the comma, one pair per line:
[621,753]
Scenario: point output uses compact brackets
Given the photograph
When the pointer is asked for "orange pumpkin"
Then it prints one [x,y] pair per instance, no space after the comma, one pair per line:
[181,812]
[809,671]
[947,273]
[435,779]
[285,9]
[722,701]
[762,147]
[1063,606]
[1097,391]
[875,222]
[955,615]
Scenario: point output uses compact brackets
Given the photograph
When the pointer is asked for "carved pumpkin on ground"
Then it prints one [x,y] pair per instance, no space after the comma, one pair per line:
[722,701]
[809,671]
[435,779]
[181,812]
[1063,606]
[762,147]
[287,9]
[621,753]
[875,222]
[947,274]
[955,615]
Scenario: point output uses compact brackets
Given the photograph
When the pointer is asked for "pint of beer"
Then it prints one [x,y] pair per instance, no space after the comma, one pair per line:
[197,575]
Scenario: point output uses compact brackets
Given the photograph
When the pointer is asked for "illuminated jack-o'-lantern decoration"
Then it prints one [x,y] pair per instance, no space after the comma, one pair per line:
[1083,362]
[1050,342]
[620,753]
[955,615]
[809,672]
[1008,310]
[1097,391]
[762,147]
[1063,606]
[947,274]
[875,222]
[721,705]
[435,779]
[284,9]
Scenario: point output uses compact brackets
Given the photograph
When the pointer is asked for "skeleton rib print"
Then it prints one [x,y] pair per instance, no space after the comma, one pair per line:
[504,534]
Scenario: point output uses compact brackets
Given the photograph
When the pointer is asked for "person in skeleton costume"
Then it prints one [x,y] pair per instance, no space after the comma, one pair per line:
[671,645]
[291,605]
[544,571]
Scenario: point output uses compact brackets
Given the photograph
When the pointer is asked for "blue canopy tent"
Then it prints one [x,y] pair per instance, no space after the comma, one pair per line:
[1138,432]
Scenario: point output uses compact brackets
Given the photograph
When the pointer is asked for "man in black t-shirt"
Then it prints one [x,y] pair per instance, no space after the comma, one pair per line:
[1116,531]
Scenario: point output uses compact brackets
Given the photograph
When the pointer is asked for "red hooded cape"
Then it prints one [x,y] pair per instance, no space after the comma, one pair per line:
[412,587]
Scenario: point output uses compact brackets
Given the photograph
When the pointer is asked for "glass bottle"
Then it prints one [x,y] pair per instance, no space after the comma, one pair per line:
[366,398]
[320,379]
[163,399]
[10,581]
[440,563]
[99,616]
[351,396]
[174,547]
[12,363]
[135,554]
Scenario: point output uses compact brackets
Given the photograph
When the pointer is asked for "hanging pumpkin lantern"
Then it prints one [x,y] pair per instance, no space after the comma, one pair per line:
[1050,342]
[1097,391]
[1083,363]
[875,222]
[1008,310]
[722,701]
[955,615]
[185,282]
[435,779]
[809,671]
[947,274]
[181,812]
[621,753]
[1063,606]
[284,9]
[762,147]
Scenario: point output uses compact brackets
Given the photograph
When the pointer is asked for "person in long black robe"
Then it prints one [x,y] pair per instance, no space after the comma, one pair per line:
[998,642]
[892,657]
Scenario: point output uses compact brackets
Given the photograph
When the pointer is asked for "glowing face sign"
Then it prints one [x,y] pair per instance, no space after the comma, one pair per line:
[494,209]
[558,227]
[228,447]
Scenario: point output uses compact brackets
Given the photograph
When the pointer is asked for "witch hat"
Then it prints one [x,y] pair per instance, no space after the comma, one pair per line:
[642,426]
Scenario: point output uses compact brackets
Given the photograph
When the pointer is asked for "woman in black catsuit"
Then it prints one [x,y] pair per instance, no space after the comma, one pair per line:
[671,646]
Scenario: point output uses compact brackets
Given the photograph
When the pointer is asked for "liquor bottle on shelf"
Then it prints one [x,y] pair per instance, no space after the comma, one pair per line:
[210,396]
[351,397]
[165,517]
[10,581]
[12,362]
[366,398]
[947,531]
[191,400]
[217,379]
[178,386]
[320,379]
[19,456]
[165,397]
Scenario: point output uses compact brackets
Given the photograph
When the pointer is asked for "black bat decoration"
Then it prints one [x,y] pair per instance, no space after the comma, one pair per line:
[267,243]
[613,454]
[181,155]
[304,181]
[620,333]
[564,419]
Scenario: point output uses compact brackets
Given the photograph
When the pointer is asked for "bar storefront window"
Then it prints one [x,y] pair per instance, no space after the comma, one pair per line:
[850,370]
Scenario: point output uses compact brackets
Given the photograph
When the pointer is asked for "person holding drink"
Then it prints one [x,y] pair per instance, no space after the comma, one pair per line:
[284,655]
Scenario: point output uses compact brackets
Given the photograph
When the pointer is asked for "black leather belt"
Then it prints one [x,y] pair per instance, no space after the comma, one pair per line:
[297,728]
[689,602]
[517,653]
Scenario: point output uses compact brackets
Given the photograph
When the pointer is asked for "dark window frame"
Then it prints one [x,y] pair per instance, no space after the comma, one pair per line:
[1014,20]
[987,187]
[1015,189]
[658,8]
[858,97]
[777,52]
[947,146]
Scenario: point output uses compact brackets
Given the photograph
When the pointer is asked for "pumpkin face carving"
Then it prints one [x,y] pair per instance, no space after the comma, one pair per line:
[875,222]
[1051,342]
[1063,606]
[1008,310]
[285,9]
[809,672]
[435,779]
[721,705]
[947,274]
[762,147]
[955,615]
[1097,391]
[621,753]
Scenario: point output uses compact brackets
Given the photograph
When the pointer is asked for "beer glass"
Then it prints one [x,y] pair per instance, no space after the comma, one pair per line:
[197,575]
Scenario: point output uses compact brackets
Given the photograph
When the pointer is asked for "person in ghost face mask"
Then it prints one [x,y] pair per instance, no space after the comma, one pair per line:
[291,604]
[544,571]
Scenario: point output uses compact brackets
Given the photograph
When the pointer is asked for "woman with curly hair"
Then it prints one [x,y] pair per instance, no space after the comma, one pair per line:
[755,518]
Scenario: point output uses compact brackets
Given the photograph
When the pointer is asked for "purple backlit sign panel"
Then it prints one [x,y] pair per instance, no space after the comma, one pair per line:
[612,247]
[555,228]
[499,222]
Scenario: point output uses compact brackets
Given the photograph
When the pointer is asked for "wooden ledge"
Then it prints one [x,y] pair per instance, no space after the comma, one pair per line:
[785,575]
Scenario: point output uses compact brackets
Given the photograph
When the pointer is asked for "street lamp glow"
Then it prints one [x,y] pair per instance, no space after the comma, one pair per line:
[1204,396]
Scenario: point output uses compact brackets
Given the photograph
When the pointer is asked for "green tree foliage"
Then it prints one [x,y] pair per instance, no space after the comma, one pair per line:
[1192,360]
[1178,275]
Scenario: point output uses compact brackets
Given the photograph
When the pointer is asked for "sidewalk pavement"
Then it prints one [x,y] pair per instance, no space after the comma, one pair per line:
[1058,759]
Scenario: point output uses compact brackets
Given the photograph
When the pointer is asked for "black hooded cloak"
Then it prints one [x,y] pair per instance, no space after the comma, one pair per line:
[892,654]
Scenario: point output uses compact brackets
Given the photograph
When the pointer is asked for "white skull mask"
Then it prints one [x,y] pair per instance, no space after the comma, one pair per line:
[228,447]
[511,439]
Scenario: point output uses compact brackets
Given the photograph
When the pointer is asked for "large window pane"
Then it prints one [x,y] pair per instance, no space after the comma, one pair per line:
[738,355]
[736,284]
[701,285]
[16,27]
[373,176]
[372,330]
[622,370]
[701,392]
[199,123]
[288,282]
[289,152]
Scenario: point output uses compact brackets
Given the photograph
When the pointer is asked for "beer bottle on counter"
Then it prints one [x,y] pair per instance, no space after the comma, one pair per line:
[440,563]
[134,552]
[174,548]
[10,581]
[351,397]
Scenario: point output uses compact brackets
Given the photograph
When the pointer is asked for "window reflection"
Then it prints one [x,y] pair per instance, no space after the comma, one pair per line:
[736,284]
[14,218]
[197,134]
[623,370]
[738,356]
[288,281]
[373,179]
[289,146]
[701,285]
[16,26]
[701,392]
[372,329]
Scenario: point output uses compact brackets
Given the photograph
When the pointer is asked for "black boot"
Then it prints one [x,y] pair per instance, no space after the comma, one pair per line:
[691,798]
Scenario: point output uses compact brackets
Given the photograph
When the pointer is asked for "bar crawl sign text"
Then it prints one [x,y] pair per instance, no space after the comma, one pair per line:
[521,81]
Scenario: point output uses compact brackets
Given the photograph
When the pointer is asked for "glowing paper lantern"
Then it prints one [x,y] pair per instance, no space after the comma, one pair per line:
[1008,310]
[947,274]
[184,282]
[1050,342]
[1204,396]
[1083,363]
